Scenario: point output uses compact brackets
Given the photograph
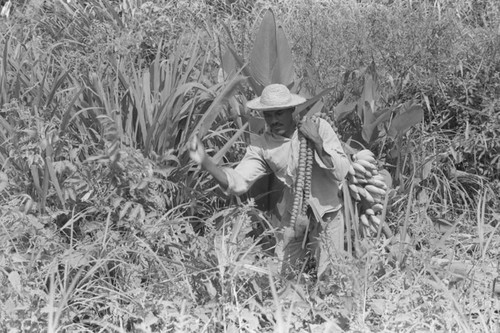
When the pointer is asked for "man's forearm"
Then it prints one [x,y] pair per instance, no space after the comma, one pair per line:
[216,172]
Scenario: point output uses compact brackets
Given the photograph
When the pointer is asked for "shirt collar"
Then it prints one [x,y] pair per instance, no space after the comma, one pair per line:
[277,137]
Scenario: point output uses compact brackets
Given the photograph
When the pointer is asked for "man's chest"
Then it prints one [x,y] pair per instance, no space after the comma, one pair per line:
[282,157]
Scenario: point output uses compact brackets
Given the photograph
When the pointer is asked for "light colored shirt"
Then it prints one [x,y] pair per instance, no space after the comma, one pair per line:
[272,153]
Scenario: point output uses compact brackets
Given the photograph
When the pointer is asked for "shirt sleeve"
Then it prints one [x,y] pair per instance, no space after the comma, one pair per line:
[251,168]
[333,147]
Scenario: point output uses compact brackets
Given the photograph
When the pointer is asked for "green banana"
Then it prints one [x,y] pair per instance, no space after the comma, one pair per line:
[364,220]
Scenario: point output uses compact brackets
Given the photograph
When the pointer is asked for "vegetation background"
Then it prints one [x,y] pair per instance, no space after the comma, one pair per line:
[107,226]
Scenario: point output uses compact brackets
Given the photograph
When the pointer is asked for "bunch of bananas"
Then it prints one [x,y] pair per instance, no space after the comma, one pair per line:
[368,187]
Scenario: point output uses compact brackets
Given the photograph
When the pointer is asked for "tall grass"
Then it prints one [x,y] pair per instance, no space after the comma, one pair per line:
[107,226]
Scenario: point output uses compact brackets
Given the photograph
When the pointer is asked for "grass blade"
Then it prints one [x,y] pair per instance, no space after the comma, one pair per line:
[217,157]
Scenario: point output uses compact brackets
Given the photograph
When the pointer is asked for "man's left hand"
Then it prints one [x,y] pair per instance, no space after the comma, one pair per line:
[309,128]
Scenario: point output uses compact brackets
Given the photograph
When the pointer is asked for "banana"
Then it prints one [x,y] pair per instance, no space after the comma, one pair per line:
[365,154]
[377,207]
[375,220]
[367,165]
[375,190]
[362,181]
[379,177]
[354,192]
[364,193]
[360,189]
[361,176]
[359,168]
[366,151]
[378,183]
[364,220]
[359,180]
[365,158]
[369,211]
[351,170]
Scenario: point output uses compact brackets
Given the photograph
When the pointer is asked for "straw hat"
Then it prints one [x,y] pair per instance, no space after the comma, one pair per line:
[274,97]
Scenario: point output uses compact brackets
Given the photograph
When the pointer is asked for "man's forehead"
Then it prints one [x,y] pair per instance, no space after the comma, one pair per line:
[268,112]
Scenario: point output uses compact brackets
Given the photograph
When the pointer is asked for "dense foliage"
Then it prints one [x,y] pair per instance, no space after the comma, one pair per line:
[106,225]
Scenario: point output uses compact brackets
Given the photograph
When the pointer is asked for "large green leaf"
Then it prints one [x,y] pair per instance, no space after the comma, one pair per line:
[409,116]
[270,59]
[264,52]
[283,67]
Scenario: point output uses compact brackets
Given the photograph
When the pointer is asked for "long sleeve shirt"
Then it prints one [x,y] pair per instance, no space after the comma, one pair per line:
[272,153]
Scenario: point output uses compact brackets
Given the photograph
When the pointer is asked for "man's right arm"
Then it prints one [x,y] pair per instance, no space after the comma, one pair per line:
[219,175]
[199,155]
[235,181]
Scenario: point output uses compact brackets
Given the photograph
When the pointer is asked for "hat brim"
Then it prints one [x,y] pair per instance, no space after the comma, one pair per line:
[255,104]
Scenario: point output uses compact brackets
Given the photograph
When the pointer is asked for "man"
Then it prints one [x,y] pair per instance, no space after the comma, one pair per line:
[277,151]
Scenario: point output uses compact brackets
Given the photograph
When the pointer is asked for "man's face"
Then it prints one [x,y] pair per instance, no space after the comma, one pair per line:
[280,121]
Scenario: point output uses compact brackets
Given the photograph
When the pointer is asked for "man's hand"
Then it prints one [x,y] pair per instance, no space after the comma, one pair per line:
[198,154]
[309,128]
[197,151]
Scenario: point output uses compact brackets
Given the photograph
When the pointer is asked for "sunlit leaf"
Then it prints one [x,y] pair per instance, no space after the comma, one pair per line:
[87,195]
[378,306]
[75,259]
[124,210]
[15,281]
[251,319]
